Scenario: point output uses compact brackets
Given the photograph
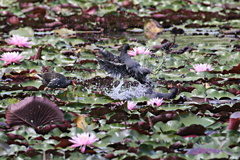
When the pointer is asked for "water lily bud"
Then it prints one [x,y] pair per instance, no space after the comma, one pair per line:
[14,20]
[234,121]
[127,3]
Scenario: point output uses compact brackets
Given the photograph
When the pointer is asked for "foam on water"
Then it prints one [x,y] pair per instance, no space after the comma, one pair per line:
[123,93]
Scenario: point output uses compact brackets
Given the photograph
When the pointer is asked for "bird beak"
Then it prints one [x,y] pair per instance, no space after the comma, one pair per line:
[73,83]
[170,86]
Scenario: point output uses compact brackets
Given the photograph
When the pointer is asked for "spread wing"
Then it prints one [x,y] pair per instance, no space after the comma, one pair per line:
[139,73]
[109,56]
[115,69]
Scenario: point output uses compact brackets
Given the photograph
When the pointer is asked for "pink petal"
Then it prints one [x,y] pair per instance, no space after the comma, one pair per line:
[75,145]
[83,149]
[132,53]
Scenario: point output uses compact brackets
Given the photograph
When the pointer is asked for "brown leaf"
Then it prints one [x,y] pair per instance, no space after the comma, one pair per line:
[194,129]
[235,69]
[63,143]
[33,111]
[80,121]
[152,29]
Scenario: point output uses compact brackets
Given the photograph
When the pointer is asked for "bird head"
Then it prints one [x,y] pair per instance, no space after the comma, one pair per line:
[125,47]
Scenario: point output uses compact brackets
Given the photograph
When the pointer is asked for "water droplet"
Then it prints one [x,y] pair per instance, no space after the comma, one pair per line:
[123,93]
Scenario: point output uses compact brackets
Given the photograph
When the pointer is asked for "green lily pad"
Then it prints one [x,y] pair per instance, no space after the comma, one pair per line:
[189,119]
[25,32]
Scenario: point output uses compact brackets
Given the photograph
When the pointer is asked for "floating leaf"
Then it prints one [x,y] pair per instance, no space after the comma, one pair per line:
[64,32]
[172,125]
[218,94]
[196,151]
[25,32]
[194,129]
[135,30]
[81,122]
[33,111]
[152,29]
[189,119]
[43,146]
[32,83]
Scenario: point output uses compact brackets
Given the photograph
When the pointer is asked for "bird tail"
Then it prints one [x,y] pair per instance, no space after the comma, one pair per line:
[39,75]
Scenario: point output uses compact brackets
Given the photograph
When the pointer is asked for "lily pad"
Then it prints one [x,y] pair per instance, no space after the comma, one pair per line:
[188,119]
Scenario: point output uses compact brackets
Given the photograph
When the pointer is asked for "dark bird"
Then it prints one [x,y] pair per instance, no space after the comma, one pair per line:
[108,56]
[166,45]
[54,80]
[152,94]
[123,66]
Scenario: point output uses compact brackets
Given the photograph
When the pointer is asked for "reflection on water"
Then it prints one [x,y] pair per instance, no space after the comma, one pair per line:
[191,37]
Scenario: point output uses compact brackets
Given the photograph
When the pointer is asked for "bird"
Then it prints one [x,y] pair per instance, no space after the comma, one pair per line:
[152,94]
[108,56]
[123,66]
[55,80]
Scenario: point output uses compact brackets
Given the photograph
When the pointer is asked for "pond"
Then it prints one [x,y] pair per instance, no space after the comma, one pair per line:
[69,90]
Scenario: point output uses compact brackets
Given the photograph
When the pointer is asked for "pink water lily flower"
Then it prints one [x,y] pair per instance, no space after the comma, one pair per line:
[139,50]
[155,101]
[203,67]
[11,57]
[19,41]
[83,140]
[131,105]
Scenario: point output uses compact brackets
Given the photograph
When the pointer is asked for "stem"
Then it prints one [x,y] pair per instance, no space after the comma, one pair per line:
[150,122]
[160,65]
[44,155]
[125,122]
[205,91]
[174,38]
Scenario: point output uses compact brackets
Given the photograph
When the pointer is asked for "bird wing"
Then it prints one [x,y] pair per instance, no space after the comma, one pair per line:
[48,77]
[126,59]
[139,73]
[109,56]
[134,69]
[44,80]
[115,69]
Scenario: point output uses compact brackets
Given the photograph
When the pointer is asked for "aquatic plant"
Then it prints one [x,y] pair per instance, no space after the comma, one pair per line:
[139,50]
[19,41]
[202,67]
[11,57]
[131,105]
[83,140]
[155,101]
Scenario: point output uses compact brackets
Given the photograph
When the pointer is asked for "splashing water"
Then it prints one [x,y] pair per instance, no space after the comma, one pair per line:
[122,93]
